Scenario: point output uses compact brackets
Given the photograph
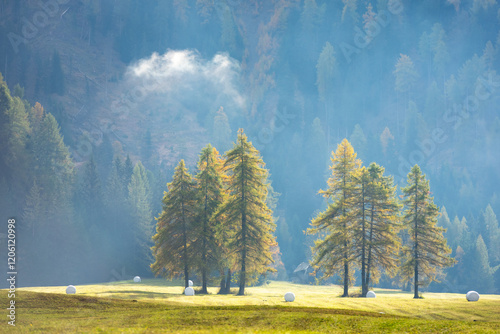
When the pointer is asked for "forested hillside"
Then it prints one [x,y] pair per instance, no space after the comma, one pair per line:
[100,99]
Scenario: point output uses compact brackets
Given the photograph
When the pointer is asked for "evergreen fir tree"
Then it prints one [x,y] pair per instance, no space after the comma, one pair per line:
[114,200]
[126,172]
[481,273]
[492,234]
[91,194]
[33,211]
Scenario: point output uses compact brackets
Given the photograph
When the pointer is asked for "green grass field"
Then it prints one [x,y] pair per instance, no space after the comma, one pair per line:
[157,306]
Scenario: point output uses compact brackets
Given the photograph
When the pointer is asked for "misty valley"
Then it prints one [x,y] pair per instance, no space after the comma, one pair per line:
[305,154]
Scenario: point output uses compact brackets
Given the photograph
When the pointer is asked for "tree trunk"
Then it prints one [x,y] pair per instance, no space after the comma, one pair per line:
[346,263]
[346,276]
[222,289]
[204,281]
[415,292]
[364,287]
[228,281]
[241,291]
[184,241]
[369,264]
[204,250]
[415,250]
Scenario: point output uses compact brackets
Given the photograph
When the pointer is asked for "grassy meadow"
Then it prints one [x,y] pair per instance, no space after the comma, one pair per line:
[156,306]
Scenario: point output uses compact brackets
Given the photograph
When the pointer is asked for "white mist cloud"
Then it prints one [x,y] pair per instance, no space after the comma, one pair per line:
[185,73]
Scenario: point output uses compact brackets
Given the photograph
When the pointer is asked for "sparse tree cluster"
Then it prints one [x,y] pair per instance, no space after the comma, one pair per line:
[217,222]
[359,229]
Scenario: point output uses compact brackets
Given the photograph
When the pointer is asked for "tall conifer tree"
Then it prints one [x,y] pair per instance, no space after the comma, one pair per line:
[382,233]
[334,251]
[173,230]
[427,248]
[210,187]
[246,210]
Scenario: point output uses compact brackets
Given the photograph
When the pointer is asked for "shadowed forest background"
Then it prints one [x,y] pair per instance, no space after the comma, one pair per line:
[100,99]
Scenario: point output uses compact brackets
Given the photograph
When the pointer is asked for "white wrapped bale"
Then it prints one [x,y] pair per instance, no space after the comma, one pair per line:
[190,283]
[137,279]
[472,296]
[189,291]
[370,294]
[70,290]
[289,297]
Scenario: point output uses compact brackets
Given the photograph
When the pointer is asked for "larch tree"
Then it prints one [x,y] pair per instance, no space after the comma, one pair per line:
[172,241]
[246,211]
[226,258]
[383,225]
[360,210]
[334,251]
[426,250]
[211,190]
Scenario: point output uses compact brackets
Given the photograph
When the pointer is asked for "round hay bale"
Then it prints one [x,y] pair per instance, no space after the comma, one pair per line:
[189,291]
[137,279]
[472,296]
[190,283]
[70,290]
[370,294]
[289,297]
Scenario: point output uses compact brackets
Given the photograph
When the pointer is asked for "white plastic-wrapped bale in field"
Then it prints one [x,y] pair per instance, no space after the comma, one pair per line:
[289,297]
[70,290]
[370,294]
[189,291]
[190,283]
[137,279]
[472,296]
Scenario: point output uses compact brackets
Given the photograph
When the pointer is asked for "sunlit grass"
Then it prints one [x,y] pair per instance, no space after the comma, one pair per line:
[159,305]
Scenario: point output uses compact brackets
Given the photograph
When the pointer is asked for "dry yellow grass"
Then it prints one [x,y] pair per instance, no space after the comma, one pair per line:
[391,302]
